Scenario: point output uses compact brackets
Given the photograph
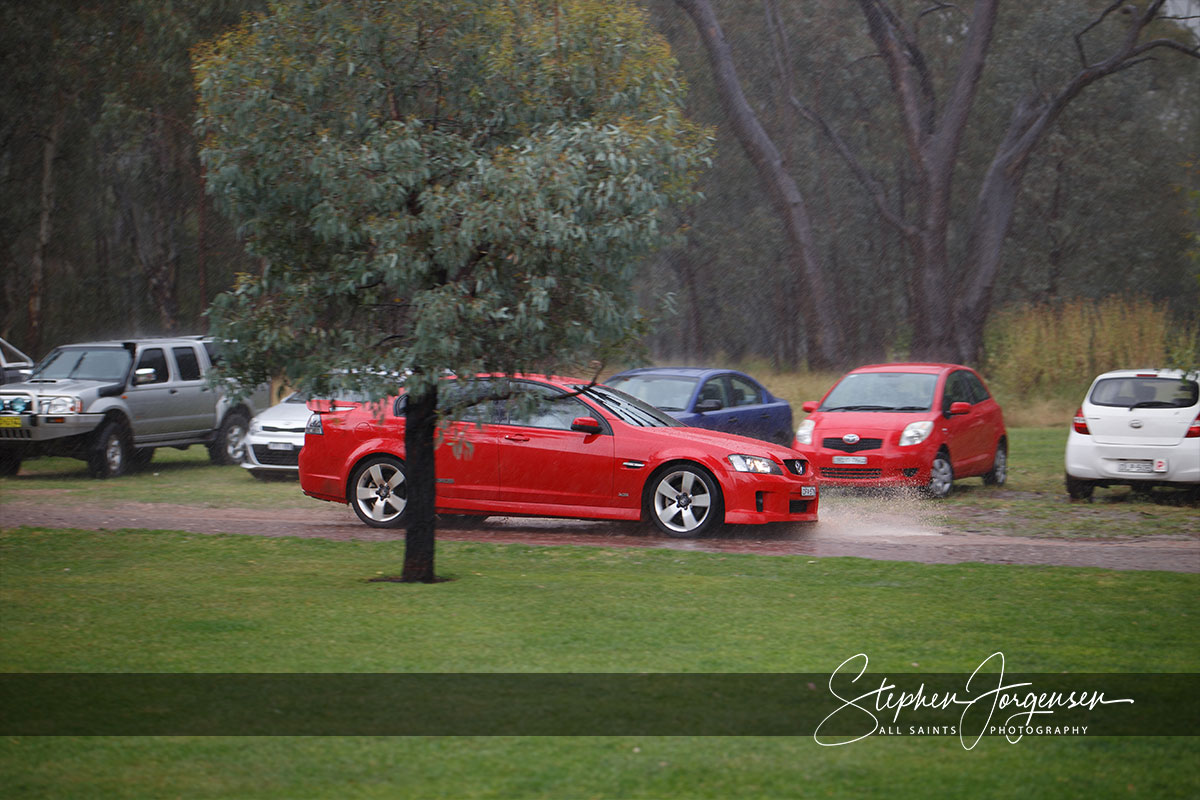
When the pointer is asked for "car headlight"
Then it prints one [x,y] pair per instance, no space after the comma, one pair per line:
[255,426]
[17,405]
[915,433]
[61,405]
[804,433]
[758,464]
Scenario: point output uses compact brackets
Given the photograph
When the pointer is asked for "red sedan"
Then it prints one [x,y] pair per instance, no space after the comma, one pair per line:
[906,425]
[558,448]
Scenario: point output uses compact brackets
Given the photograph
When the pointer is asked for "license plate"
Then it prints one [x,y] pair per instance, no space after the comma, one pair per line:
[808,491]
[1140,467]
[279,445]
[849,459]
[10,422]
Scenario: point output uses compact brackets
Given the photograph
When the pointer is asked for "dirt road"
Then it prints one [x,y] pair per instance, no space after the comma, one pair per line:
[887,533]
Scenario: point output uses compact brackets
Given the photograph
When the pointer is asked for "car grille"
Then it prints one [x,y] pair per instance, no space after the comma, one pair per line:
[796,466]
[276,458]
[850,473]
[15,433]
[798,507]
[862,444]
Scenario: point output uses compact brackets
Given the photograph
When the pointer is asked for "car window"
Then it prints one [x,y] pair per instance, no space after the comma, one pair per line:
[978,391]
[1145,392]
[188,364]
[544,407]
[628,408]
[155,358]
[713,389]
[88,364]
[742,392]
[957,390]
[882,391]
[668,392]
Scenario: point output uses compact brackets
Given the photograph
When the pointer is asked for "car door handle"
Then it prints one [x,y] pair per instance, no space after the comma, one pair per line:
[516,437]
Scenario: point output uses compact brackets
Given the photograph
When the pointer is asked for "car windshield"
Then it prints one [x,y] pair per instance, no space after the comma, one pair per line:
[85,363]
[665,392]
[882,391]
[629,409]
[1145,392]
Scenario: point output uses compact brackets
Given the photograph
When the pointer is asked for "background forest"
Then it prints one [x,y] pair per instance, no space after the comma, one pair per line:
[106,230]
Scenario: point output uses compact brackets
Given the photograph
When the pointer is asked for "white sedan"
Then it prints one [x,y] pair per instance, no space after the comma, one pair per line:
[275,438]
[1137,428]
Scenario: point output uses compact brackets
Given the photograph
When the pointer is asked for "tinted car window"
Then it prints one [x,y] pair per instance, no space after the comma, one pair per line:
[189,365]
[957,390]
[1145,392]
[544,407]
[742,392]
[155,358]
[713,389]
[979,392]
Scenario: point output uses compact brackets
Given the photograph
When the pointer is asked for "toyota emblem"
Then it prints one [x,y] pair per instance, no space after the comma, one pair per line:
[1135,423]
[852,438]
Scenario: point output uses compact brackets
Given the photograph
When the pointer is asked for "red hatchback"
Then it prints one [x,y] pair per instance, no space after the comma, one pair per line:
[922,425]
[558,448]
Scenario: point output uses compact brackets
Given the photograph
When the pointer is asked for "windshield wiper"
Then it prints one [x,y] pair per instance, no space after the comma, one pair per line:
[859,408]
[1152,404]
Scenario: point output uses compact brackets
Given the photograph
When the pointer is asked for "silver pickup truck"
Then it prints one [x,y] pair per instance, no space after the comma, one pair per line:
[112,403]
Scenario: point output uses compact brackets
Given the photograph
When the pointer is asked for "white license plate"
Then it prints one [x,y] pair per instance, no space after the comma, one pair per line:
[808,491]
[1142,467]
[279,445]
[849,459]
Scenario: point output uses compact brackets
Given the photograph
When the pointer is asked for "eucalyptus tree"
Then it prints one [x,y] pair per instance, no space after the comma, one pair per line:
[439,185]
[951,214]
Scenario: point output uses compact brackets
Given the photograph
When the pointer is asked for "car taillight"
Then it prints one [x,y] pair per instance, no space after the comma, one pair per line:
[1081,423]
[1194,429]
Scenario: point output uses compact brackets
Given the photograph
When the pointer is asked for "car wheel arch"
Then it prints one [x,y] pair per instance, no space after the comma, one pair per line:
[676,463]
[362,457]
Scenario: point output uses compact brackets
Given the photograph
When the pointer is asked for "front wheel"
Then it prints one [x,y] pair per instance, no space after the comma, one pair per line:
[230,445]
[941,476]
[110,452]
[685,502]
[379,493]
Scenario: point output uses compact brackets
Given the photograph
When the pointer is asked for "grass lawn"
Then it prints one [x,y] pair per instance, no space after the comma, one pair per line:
[171,602]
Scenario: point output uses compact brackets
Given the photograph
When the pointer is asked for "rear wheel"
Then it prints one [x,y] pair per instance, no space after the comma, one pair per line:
[941,476]
[1078,489]
[998,474]
[685,501]
[109,455]
[230,445]
[379,492]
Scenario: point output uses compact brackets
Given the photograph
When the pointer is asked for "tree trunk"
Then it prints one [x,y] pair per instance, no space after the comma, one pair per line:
[420,419]
[37,271]
[826,347]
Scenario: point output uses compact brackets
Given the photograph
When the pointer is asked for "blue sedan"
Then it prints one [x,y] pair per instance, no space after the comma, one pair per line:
[718,399]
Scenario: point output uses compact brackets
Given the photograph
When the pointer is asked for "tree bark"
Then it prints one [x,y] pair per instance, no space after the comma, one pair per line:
[826,347]
[420,418]
[37,267]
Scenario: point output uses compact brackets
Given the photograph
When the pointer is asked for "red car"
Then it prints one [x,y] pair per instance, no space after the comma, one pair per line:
[557,448]
[922,425]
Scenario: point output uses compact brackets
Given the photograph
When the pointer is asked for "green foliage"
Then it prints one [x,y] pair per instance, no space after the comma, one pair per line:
[423,182]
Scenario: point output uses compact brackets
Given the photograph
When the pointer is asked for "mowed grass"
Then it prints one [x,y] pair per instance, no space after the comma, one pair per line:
[172,602]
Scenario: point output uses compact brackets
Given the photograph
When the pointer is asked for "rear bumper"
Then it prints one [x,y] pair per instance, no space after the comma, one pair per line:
[1087,460]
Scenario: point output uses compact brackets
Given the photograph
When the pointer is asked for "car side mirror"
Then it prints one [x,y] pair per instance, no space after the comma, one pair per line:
[958,409]
[709,405]
[589,425]
[144,375]
[810,406]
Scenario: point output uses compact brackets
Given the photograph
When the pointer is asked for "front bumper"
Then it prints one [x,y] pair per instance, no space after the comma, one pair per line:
[892,467]
[17,429]
[752,499]
[273,452]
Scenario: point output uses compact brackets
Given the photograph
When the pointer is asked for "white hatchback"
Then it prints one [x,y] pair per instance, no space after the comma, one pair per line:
[1137,428]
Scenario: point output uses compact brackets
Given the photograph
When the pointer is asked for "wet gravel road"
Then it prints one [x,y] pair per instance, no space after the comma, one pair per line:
[883,534]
